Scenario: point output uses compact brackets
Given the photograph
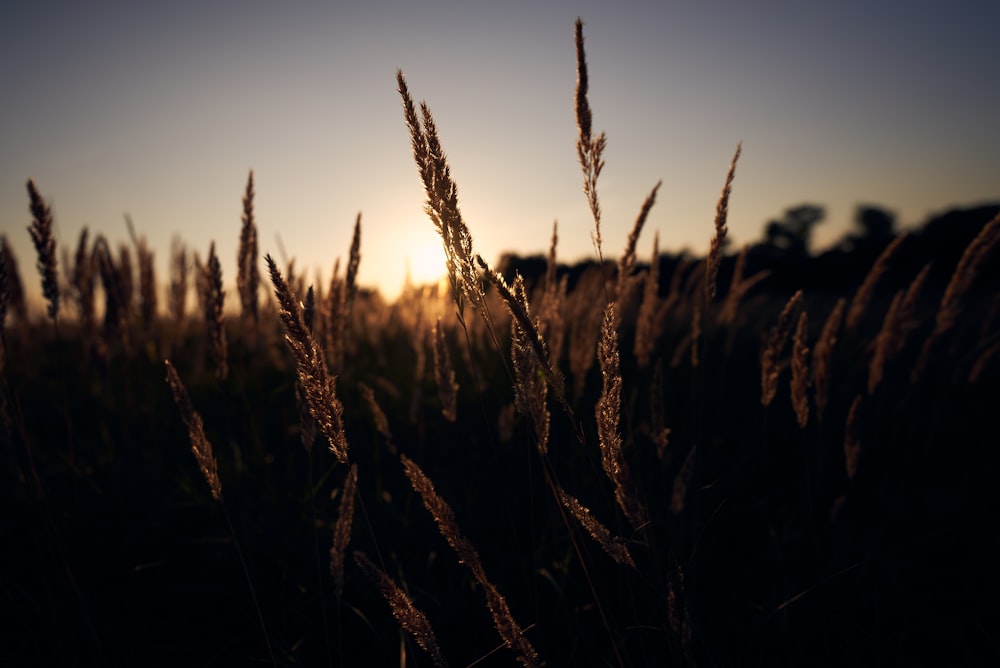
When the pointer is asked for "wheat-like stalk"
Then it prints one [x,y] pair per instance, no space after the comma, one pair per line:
[445,374]
[115,313]
[215,317]
[614,545]
[342,529]
[852,442]
[969,266]
[247,274]
[822,363]
[714,258]
[507,627]
[82,278]
[147,283]
[442,202]
[45,245]
[589,148]
[307,425]
[608,415]
[800,372]
[320,387]
[626,265]
[682,480]
[530,387]
[887,343]
[769,367]
[864,294]
[647,324]
[200,446]
[550,314]
[353,262]
[739,287]
[126,282]
[4,299]
[410,618]
[15,290]
[517,305]
[180,268]
[660,432]
[378,415]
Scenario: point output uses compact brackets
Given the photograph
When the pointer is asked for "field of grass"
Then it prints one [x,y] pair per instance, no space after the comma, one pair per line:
[637,463]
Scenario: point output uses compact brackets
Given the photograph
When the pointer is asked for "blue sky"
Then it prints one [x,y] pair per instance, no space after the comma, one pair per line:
[160,109]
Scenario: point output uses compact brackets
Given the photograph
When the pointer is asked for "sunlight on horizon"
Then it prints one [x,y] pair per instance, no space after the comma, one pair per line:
[425,263]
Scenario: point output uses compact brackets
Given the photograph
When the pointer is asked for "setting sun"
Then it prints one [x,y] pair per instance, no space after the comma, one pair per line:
[425,262]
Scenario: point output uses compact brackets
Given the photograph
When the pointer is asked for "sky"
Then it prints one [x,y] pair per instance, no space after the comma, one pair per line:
[159,110]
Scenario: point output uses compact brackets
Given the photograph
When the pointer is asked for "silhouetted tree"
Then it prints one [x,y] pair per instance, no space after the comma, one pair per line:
[874,226]
[792,234]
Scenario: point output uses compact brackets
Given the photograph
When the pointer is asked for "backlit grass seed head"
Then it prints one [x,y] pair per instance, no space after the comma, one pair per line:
[200,446]
[800,372]
[769,367]
[319,386]
[45,245]
[608,416]
[718,241]
[247,275]
[411,619]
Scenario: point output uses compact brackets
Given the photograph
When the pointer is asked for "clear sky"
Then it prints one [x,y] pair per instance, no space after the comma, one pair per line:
[160,109]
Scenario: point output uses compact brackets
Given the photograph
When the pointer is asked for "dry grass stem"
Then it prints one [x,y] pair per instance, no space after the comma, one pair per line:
[962,279]
[738,288]
[410,618]
[307,425]
[887,344]
[507,627]
[115,311]
[200,446]
[550,314]
[353,263]
[660,432]
[714,258]
[822,362]
[442,202]
[682,481]
[648,324]
[45,245]
[852,443]
[517,305]
[445,374]
[215,317]
[614,545]
[769,367]
[864,294]
[626,265]
[83,279]
[800,372]
[982,361]
[320,387]
[247,275]
[378,415]
[589,148]
[180,267]
[608,416]
[342,529]
[15,289]
[530,387]
[148,300]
